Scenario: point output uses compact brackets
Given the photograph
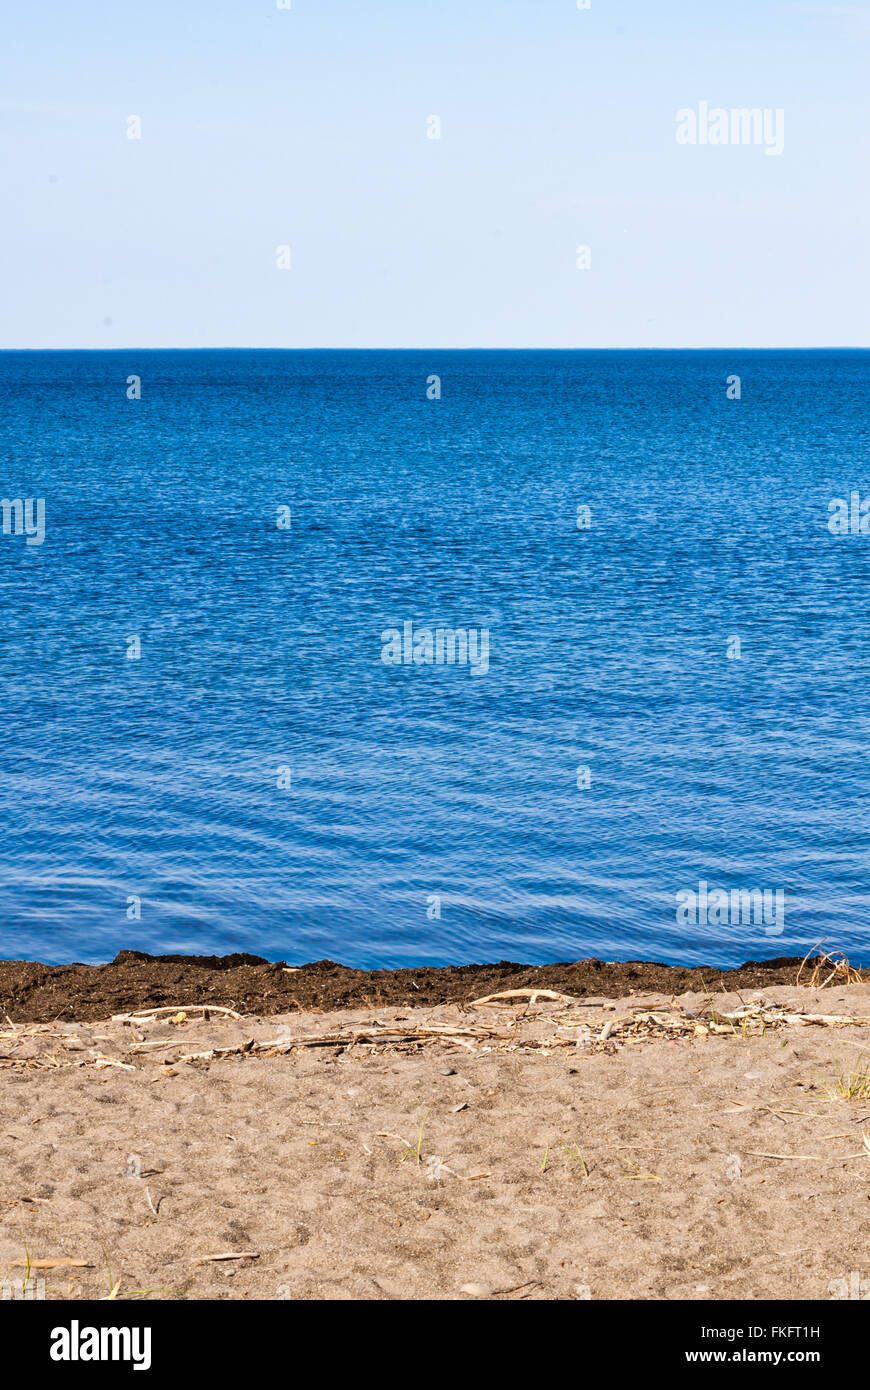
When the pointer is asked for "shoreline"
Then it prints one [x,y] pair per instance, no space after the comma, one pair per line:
[33,992]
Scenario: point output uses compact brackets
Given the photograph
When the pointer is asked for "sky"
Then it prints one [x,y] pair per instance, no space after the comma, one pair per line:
[307,128]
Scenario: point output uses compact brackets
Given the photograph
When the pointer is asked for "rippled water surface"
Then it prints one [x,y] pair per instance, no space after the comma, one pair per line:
[424,789]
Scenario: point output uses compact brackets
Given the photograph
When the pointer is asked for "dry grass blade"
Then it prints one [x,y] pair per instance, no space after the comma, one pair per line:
[757,1153]
[51,1264]
[852,1085]
[837,965]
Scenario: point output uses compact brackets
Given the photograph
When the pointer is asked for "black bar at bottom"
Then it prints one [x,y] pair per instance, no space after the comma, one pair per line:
[224,1338]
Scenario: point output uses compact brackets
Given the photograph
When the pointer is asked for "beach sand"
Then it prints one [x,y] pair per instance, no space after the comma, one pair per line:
[526,1154]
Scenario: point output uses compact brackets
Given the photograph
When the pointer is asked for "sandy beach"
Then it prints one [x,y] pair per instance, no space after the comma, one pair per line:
[646,1145]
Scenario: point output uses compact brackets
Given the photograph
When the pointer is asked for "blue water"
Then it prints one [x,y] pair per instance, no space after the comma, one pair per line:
[157,778]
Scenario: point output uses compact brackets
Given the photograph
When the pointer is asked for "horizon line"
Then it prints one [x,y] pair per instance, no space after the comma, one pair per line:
[240,347]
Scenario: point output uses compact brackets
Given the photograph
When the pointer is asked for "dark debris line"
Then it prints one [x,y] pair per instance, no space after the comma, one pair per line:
[32,992]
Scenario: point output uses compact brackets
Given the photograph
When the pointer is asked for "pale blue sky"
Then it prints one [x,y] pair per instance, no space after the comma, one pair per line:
[307,127]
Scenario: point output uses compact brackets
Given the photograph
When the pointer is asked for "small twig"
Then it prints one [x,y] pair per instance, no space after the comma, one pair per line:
[176,1009]
[531,994]
[227,1255]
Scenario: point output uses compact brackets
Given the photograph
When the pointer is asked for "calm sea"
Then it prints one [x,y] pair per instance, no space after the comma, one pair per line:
[258,778]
